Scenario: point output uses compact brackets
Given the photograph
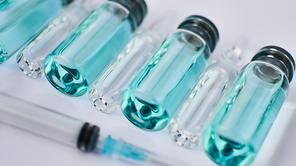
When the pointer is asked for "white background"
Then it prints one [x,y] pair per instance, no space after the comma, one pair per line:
[263,22]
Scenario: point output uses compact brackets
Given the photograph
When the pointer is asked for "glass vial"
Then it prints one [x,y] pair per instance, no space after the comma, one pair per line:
[160,86]
[21,20]
[187,125]
[243,118]
[31,58]
[86,52]
[105,92]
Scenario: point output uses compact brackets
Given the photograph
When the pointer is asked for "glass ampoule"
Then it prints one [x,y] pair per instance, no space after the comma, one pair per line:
[156,91]
[186,127]
[21,20]
[105,92]
[87,51]
[244,116]
[31,58]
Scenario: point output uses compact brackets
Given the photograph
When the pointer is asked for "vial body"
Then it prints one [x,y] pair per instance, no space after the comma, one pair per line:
[105,92]
[187,125]
[31,59]
[21,20]
[160,86]
[84,54]
[246,113]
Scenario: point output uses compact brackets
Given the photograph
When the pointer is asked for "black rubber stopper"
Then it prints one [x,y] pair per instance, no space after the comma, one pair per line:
[281,54]
[67,2]
[203,27]
[88,137]
[137,9]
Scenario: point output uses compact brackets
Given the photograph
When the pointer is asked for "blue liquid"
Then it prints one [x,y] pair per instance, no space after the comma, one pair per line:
[245,115]
[78,60]
[123,149]
[159,88]
[21,20]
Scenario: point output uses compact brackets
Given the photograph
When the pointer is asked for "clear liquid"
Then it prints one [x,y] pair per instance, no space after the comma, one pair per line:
[104,94]
[21,21]
[187,125]
[84,54]
[161,85]
[244,116]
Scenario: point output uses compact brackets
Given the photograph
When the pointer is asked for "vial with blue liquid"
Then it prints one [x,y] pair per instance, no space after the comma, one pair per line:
[155,93]
[31,58]
[21,20]
[87,51]
[186,126]
[244,116]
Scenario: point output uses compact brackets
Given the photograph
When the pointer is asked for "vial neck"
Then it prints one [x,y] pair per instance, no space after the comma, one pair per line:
[276,62]
[204,35]
[137,11]
[202,27]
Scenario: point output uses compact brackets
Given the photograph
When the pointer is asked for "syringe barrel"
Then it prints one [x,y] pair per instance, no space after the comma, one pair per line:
[39,120]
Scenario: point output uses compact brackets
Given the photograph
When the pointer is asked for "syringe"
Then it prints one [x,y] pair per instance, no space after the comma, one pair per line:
[73,132]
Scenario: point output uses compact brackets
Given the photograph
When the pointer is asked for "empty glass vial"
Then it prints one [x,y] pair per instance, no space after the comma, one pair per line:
[187,125]
[243,118]
[31,59]
[154,94]
[21,20]
[86,52]
[105,92]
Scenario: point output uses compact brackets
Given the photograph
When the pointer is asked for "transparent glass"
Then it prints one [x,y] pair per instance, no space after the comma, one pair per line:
[87,51]
[31,59]
[160,86]
[105,92]
[39,120]
[187,125]
[21,20]
[244,116]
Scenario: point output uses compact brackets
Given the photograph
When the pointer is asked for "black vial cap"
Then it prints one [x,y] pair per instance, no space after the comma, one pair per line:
[288,63]
[88,136]
[203,27]
[137,9]
[67,2]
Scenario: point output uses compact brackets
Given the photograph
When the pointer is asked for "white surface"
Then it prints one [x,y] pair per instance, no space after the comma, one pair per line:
[263,22]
